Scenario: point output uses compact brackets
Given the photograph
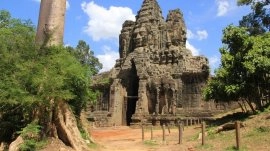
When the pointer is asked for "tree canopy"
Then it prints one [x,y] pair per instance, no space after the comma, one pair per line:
[33,79]
[244,73]
[258,20]
[84,55]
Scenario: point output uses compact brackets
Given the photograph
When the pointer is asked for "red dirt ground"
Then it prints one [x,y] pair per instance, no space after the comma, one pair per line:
[129,139]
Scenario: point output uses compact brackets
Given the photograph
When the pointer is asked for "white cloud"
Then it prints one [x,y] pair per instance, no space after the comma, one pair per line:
[67,45]
[223,7]
[259,0]
[200,34]
[214,62]
[194,51]
[108,58]
[190,34]
[105,23]
[67,4]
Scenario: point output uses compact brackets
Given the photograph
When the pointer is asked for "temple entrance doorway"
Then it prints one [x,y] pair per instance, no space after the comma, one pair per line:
[132,93]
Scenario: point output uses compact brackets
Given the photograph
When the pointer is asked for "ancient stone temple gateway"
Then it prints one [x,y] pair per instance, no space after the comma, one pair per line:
[156,77]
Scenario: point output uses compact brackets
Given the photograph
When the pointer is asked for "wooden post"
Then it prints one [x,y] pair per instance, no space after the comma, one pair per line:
[151,132]
[237,130]
[203,133]
[180,129]
[142,132]
[163,132]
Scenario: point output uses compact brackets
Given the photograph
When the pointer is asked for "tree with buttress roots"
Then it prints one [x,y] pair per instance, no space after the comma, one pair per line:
[42,88]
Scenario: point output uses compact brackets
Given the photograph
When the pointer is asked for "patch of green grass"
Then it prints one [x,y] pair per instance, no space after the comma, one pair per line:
[150,142]
[211,133]
[84,134]
[258,132]
[204,147]
[250,134]
[194,137]
[93,145]
[263,129]
[267,109]
[233,148]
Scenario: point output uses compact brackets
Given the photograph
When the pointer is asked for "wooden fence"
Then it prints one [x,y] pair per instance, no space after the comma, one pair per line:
[180,126]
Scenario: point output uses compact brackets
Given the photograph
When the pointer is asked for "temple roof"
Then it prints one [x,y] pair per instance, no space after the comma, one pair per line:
[150,10]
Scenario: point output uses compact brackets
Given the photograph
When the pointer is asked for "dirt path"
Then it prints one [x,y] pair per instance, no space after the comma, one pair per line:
[128,139]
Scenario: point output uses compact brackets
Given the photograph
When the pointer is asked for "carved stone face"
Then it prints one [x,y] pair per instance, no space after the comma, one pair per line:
[168,44]
[140,37]
[176,42]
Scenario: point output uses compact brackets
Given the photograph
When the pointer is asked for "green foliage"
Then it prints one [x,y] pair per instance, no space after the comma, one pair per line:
[245,67]
[258,20]
[212,132]
[31,131]
[229,82]
[83,132]
[34,79]
[31,137]
[267,109]
[86,56]
[257,59]
[16,43]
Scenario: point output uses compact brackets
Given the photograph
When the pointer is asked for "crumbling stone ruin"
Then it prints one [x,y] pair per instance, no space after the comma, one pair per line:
[156,78]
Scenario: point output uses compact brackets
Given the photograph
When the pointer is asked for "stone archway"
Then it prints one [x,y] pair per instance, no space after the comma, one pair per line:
[132,92]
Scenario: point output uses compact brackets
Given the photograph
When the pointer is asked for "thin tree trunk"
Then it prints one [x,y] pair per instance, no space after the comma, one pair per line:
[241,106]
[244,104]
[251,106]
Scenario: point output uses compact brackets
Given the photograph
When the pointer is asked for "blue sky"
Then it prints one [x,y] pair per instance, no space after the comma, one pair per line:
[98,22]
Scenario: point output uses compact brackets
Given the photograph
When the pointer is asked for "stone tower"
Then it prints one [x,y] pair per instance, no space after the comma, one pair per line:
[156,77]
[51,22]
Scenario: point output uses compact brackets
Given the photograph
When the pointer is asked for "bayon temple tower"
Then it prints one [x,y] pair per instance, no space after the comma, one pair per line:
[156,78]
